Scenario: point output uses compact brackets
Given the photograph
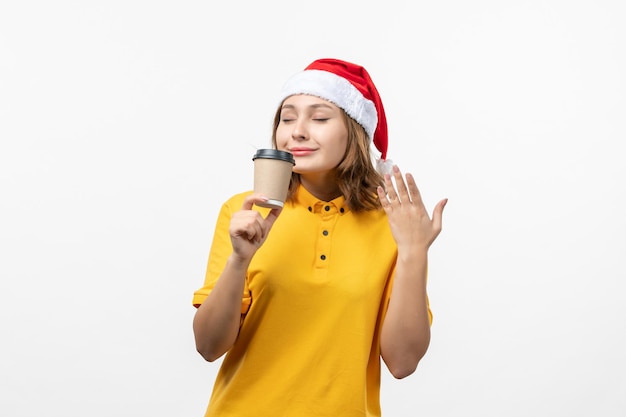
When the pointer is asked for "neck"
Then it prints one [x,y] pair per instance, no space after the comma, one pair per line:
[322,186]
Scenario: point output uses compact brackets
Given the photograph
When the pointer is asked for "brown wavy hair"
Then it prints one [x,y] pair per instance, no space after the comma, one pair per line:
[356,176]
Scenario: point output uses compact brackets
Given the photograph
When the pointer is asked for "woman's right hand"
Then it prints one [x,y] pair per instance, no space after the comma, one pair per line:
[248,229]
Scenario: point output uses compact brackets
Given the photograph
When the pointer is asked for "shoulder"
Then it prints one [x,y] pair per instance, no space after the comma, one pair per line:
[372,215]
[376,223]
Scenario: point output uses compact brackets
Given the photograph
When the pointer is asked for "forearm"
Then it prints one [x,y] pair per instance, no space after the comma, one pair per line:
[217,320]
[405,334]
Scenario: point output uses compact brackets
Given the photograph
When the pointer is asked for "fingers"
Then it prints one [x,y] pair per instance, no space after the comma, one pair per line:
[414,192]
[382,196]
[247,224]
[252,199]
[402,201]
[390,190]
[402,192]
[271,218]
[438,214]
[250,224]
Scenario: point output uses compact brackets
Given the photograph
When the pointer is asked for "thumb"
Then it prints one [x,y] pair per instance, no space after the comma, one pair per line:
[438,214]
[271,218]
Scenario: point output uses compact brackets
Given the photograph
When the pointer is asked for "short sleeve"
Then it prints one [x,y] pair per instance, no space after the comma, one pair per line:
[221,249]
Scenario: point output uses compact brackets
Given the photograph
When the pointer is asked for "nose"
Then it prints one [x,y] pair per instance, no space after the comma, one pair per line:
[299,131]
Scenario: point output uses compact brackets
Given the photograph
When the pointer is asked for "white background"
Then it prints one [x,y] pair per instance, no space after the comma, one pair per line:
[125,124]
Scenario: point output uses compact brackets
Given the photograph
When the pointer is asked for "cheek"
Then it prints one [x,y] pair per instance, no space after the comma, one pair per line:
[344,145]
[281,138]
[341,145]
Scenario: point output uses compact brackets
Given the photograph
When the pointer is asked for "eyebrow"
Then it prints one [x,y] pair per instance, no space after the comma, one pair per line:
[314,106]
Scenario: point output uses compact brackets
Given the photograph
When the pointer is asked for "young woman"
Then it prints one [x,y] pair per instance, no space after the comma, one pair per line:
[306,299]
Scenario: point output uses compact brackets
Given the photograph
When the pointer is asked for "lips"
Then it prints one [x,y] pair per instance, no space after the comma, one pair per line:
[301,151]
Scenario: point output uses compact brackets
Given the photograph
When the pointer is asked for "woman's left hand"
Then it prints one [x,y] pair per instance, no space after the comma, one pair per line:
[411,226]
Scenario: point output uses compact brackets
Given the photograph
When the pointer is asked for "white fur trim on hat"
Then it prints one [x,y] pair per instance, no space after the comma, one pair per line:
[337,90]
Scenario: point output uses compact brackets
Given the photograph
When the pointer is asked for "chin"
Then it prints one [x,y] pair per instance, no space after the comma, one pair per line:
[303,168]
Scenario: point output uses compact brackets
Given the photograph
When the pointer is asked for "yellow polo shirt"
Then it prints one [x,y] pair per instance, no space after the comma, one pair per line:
[315,296]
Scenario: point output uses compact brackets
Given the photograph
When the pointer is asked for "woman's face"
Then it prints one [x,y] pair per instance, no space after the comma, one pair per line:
[314,131]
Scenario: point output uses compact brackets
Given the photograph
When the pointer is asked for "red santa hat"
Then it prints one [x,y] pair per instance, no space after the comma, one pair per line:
[348,86]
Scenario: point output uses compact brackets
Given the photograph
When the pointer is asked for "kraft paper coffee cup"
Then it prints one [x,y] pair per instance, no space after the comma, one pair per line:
[272,172]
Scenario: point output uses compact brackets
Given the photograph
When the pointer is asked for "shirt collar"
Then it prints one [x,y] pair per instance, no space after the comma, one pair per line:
[315,205]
